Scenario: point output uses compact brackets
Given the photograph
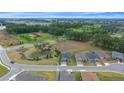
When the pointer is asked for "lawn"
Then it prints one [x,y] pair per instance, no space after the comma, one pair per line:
[78,76]
[89,64]
[16,57]
[49,75]
[3,70]
[73,61]
[110,76]
[31,38]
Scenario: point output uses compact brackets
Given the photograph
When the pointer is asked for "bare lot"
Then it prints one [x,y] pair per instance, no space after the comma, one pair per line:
[6,39]
[75,46]
[89,76]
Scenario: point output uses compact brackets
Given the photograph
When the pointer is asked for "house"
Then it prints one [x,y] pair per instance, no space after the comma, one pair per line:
[81,57]
[117,55]
[102,55]
[65,57]
[84,57]
[78,57]
[92,57]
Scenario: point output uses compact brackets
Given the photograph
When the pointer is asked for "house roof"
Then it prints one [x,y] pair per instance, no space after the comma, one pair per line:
[65,55]
[92,56]
[117,55]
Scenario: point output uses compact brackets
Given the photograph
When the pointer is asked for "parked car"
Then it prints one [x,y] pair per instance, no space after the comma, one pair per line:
[12,62]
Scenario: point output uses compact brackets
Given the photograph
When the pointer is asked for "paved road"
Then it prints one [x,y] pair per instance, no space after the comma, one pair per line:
[13,48]
[15,69]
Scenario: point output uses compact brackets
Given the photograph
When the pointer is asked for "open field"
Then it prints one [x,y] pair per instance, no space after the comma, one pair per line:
[49,75]
[6,39]
[35,37]
[3,70]
[75,46]
[110,76]
[17,57]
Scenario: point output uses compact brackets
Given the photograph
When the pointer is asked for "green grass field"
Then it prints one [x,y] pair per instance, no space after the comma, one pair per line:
[27,38]
[110,76]
[3,70]
[78,76]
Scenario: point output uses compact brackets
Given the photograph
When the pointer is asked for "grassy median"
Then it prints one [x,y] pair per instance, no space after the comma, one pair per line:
[3,70]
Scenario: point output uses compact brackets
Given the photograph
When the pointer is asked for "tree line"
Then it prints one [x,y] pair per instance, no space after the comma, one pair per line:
[100,35]
[106,41]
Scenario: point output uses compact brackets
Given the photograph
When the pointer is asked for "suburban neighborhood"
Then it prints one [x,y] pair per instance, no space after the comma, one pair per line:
[61,50]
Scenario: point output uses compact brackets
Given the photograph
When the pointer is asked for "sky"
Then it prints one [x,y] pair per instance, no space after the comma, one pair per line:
[61,14]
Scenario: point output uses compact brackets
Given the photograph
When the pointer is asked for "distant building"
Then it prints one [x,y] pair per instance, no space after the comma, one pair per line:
[117,55]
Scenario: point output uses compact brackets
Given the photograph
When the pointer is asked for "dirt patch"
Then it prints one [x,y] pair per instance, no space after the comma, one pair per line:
[75,46]
[6,39]
[89,76]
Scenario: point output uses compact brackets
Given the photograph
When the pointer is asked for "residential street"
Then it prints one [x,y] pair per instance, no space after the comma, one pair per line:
[15,69]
